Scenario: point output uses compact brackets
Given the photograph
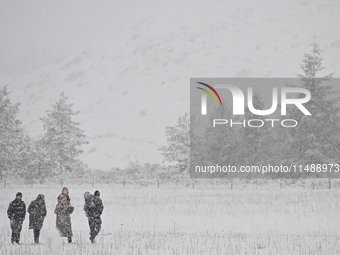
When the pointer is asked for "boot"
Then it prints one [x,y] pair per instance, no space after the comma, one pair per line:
[36,235]
[69,239]
[17,238]
[92,239]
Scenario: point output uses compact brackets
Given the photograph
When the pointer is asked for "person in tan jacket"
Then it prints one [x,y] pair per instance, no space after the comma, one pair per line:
[63,210]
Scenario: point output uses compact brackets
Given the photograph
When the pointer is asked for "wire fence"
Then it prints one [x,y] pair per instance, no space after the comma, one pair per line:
[220,183]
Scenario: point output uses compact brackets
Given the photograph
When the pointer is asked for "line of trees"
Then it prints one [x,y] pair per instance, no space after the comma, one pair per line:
[315,140]
[55,154]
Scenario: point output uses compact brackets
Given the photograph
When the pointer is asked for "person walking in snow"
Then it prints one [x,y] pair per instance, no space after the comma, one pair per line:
[16,212]
[64,192]
[98,212]
[63,210]
[37,212]
[93,208]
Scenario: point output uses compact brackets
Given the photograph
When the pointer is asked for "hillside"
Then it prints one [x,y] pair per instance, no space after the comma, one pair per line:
[130,87]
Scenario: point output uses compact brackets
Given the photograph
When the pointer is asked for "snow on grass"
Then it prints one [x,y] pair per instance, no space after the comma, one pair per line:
[181,220]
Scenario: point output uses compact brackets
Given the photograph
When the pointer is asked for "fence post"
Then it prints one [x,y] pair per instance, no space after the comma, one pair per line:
[124,183]
[5,184]
[158,183]
[231,184]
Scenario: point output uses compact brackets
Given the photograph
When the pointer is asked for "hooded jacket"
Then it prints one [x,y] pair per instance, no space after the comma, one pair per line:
[89,206]
[37,212]
[64,190]
[93,207]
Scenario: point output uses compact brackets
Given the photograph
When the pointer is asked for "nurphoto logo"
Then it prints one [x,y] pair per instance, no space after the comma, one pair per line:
[264,127]
[302,96]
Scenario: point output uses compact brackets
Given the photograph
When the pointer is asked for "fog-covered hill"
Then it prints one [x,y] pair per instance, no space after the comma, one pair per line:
[130,87]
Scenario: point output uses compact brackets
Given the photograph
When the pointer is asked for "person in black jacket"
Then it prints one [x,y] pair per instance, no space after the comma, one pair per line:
[37,212]
[16,212]
[93,209]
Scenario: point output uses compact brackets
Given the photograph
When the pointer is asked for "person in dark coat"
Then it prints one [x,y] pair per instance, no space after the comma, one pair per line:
[16,212]
[63,210]
[64,192]
[93,209]
[37,212]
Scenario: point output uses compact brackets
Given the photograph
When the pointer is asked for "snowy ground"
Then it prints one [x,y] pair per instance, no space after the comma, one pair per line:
[249,219]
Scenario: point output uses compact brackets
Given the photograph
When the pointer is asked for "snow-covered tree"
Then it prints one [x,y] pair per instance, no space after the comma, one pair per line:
[221,142]
[62,139]
[38,165]
[317,138]
[11,136]
[178,143]
[252,142]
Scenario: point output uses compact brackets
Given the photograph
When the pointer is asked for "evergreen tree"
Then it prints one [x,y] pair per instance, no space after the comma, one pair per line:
[178,139]
[316,139]
[253,137]
[234,145]
[197,147]
[11,136]
[62,138]
[37,164]
[221,141]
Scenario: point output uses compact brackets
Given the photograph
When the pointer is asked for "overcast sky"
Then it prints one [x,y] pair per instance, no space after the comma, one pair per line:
[36,33]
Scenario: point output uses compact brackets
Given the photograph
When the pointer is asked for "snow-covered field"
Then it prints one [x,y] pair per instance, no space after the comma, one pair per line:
[249,219]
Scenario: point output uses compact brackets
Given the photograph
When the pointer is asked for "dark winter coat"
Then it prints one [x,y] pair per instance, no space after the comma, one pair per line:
[63,212]
[16,210]
[93,207]
[99,207]
[89,206]
[37,213]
